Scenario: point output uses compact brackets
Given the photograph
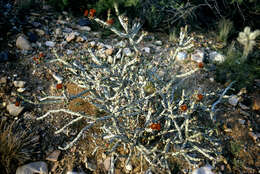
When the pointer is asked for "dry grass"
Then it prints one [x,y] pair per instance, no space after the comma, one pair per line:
[13,147]
[224,27]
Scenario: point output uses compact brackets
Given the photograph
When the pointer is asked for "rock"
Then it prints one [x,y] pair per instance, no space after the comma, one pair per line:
[32,168]
[32,37]
[92,43]
[233,100]
[36,24]
[84,22]
[50,43]
[40,32]
[54,156]
[203,170]
[216,57]
[147,50]
[100,45]
[158,42]
[197,56]
[80,39]
[58,31]
[70,37]
[127,52]
[20,90]
[181,56]
[3,80]
[69,52]
[23,43]
[14,110]
[109,52]
[4,56]
[19,84]
[84,28]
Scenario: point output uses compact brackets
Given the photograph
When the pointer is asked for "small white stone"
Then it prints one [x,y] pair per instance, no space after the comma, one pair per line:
[40,32]
[69,52]
[19,84]
[197,56]
[20,90]
[84,28]
[233,100]
[158,42]
[23,44]
[14,110]
[92,43]
[203,170]
[181,56]
[34,167]
[211,79]
[147,49]
[216,57]
[58,31]
[69,172]
[50,43]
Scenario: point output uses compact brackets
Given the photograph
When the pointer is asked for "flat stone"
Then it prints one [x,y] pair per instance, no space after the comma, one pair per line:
[32,168]
[50,43]
[197,56]
[14,110]
[147,50]
[70,37]
[54,156]
[203,170]
[23,44]
[80,39]
[84,28]
[233,100]
[3,80]
[70,172]
[158,42]
[19,83]
[58,31]
[69,52]
[40,32]
[20,90]
[181,56]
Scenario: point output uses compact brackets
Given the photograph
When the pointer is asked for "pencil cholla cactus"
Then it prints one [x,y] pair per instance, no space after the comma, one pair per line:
[247,39]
